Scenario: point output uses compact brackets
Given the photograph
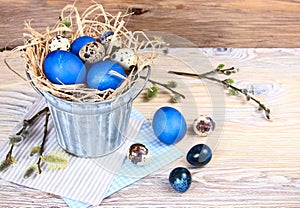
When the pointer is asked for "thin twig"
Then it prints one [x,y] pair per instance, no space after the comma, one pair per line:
[9,154]
[26,124]
[43,142]
[225,71]
[226,84]
[29,121]
[165,86]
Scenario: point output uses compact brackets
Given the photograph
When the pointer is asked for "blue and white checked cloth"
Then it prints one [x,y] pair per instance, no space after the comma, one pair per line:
[129,173]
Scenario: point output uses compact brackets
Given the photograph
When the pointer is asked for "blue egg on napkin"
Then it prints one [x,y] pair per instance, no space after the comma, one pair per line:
[169,125]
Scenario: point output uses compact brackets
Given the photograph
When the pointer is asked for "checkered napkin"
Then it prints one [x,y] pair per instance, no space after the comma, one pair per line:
[129,172]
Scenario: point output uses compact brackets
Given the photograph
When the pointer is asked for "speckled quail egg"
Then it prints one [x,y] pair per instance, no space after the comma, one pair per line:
[203,125]
[59,42]
[92,52]
[107,40]
[125,57]
[139,154]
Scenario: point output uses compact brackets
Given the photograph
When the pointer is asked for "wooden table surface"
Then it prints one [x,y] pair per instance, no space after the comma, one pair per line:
[255,161]
[218,23]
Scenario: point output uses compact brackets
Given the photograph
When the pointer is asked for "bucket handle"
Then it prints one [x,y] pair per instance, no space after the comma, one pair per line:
[145,78]
[32,84]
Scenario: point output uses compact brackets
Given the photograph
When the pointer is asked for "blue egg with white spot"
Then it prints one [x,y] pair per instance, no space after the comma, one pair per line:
[78,43]
[199,155]
[100,75]
[180,179]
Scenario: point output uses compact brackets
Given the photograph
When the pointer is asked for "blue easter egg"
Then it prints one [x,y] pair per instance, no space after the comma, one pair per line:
[199,155]
[99,76]
[78,43]
[62,67]
[180,179]
[169,125]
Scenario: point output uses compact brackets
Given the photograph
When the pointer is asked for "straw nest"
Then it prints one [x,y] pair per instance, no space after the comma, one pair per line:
[92,22]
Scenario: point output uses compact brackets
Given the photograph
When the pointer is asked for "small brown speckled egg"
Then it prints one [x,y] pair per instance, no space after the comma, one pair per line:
[125,57]
[139,154]
[59,42]
[92,52]
[204,125]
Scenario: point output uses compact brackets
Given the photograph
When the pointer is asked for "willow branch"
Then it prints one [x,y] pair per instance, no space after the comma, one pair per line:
[226,84]
[26,124]
[43,142]
[165,86]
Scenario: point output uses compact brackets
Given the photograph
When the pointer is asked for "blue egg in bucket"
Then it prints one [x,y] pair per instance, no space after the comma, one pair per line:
[100,75]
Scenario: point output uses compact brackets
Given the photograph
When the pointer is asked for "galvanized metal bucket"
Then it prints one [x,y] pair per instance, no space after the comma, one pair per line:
[92,129]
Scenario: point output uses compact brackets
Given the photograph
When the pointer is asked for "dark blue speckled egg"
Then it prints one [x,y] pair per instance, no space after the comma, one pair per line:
[106,36]
[180,179]
[78,43]
[199,155]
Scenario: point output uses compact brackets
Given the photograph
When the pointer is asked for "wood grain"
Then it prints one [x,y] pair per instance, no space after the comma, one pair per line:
[255,162]
[256,23]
